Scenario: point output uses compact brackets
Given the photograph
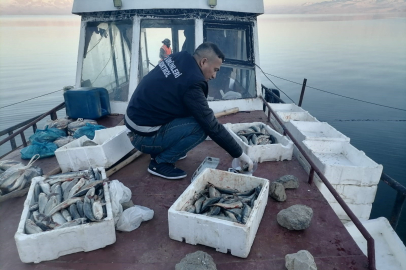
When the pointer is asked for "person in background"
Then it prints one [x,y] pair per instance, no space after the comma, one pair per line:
[165,50]
[169,114]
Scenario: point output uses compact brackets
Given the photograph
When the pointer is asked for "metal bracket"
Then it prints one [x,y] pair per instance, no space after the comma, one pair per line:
[208,162]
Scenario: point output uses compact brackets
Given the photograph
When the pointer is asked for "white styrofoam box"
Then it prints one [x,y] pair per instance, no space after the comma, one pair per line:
[390,252]
[361,211]
[282,108]
[220,234]
[342,163]
[113,144]
[282,150]
[285,107]
[315,131]
[50,245]
[351,194]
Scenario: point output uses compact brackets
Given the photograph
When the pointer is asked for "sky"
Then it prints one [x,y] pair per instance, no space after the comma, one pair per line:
[26,7]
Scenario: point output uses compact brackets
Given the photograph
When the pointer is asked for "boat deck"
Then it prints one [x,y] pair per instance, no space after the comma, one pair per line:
[150,248]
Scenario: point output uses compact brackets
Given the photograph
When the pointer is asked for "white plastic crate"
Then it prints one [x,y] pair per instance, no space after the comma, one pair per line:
[361,211]
[50,245]
[351,194]
[315,131]
[113,144]
[390,252]
[342,163]
[220,234]
[282,150]
[287,112]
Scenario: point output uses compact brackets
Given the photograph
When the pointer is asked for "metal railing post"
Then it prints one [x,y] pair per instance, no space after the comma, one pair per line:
[302,93]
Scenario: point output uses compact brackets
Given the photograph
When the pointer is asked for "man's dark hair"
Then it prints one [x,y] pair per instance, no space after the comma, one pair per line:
[206,47]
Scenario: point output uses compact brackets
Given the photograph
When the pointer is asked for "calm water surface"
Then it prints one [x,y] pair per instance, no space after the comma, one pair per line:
[361,56]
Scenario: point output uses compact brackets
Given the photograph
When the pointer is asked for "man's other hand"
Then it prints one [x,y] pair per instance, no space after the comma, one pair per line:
[246,163]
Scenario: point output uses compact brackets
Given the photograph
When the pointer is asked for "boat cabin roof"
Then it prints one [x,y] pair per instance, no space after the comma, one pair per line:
[251,6]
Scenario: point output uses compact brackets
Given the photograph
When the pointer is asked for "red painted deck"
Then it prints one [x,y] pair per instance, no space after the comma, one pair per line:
[149,246]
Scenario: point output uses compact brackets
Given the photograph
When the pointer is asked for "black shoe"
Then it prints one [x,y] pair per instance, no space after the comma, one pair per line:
[165,170]
[153,157]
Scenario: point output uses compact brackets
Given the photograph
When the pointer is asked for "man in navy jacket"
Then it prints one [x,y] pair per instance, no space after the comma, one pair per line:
[169,114]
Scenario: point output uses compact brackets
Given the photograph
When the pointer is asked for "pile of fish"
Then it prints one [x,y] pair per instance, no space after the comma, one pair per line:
[66,200]
[224,203]
[16,176]
[256,135]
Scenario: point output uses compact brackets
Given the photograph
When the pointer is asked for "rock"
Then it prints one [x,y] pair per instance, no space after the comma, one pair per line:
[296,217]
[288,181]
[277,191]
[302,260]
[198,260]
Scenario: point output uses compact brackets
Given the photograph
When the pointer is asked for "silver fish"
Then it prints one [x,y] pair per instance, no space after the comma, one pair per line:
[10,176]
[246,211]
[64,204]
[64,185]
[76,187]
[45,187]
[58,218]
[71,223]
[52,202]
[37,191]
[97,175]
[208,202]
[97,210]
[74,211]
[87,187]
[237,204]
[34,207]
[42,202]
[31,227]
[79,206]
[198,204]
[190,208]
[65,213]
[69,187]
[213,192]
[7,164]
[243,138]
[231,216]
[87,204]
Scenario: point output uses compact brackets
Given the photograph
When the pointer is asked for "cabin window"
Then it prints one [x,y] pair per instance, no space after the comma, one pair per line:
[107,56]
[181,34]
[236,78]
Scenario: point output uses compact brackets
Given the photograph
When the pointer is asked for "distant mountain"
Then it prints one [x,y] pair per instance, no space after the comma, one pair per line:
[35,7]
[342,6]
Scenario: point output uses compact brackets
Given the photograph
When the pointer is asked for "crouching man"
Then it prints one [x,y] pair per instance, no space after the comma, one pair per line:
[169,114]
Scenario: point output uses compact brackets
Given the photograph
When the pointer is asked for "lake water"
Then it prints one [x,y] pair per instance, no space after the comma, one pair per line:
[360,56]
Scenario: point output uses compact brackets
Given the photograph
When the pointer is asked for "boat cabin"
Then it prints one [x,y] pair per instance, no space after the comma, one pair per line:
[120,43]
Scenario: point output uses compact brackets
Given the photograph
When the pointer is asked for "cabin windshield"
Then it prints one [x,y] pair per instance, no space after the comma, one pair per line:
[153,41]
[107,56]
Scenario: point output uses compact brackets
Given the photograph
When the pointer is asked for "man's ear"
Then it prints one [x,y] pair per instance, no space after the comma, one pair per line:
[203,61]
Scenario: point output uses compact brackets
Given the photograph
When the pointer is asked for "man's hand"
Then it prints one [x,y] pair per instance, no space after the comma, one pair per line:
[245,163]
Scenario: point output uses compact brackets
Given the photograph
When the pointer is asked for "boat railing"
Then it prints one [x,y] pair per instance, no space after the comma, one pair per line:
[30,123]
[399,201]
[399,188]
[313,169]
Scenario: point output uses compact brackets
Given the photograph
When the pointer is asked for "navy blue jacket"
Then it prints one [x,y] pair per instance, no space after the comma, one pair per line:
[176,88]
